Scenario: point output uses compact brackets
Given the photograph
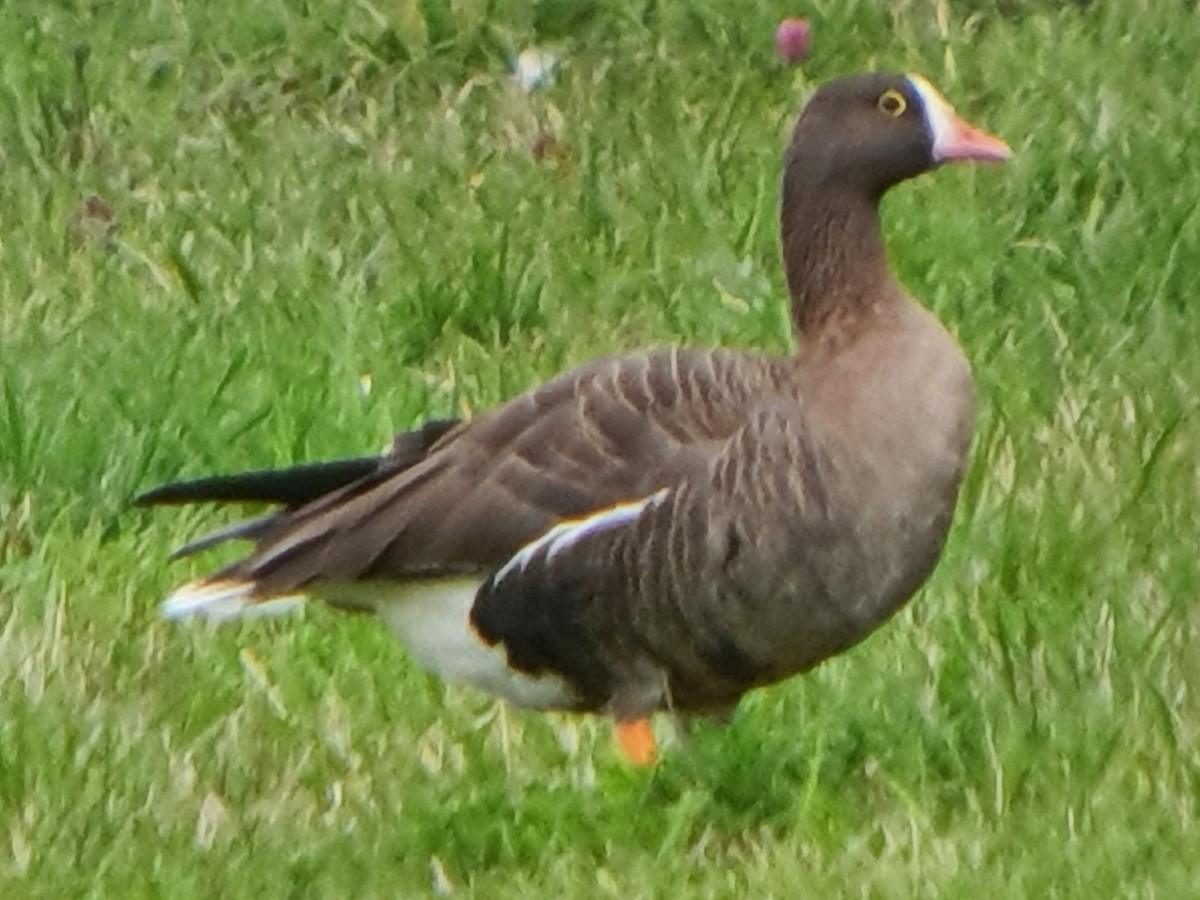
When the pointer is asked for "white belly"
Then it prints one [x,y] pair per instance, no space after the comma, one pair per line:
[432,619]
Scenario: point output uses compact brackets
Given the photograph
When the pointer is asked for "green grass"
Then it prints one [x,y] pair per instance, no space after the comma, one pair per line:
[312,192]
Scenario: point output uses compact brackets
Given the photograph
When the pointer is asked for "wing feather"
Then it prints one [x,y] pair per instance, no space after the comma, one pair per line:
[614,431]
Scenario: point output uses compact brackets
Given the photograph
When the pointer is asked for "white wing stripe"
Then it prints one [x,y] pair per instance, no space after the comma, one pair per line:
[565,534]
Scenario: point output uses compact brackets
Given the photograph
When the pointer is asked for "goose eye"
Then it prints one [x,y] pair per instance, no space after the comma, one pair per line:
[893,103]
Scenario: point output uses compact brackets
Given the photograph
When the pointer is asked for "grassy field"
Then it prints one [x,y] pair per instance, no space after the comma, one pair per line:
[329,221]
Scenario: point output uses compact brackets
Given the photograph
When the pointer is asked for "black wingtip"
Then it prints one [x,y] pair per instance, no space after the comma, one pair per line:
[301,484]
[288,487]
[159,496]
[249,530]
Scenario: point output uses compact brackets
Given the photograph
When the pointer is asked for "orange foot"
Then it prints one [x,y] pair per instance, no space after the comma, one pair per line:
[636,741]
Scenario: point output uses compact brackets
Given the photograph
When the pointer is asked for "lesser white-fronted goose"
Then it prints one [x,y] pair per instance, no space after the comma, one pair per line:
[670,529]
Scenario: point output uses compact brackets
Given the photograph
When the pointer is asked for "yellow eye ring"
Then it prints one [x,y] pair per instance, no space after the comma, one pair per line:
[892,103]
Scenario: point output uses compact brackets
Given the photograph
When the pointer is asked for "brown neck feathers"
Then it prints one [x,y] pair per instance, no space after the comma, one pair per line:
[833,252]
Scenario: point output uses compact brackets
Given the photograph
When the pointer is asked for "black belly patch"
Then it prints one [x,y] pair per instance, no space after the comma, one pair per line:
[544,629]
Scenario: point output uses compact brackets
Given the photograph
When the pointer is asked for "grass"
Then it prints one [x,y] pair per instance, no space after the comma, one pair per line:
[307,195]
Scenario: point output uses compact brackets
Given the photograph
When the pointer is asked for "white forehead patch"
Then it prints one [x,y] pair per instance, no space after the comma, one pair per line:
[939,114]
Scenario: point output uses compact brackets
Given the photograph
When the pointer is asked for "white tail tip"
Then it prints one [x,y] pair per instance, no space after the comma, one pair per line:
[221,601]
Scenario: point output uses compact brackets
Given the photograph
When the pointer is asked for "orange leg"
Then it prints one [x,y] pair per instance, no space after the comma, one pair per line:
[636,741]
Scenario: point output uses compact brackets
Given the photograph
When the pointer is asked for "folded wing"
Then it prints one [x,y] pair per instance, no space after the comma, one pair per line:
[612,432]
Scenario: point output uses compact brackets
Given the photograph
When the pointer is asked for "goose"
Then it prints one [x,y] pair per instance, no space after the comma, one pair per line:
[664,530]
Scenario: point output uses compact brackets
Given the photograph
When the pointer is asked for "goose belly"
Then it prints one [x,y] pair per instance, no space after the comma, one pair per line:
[432,619]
